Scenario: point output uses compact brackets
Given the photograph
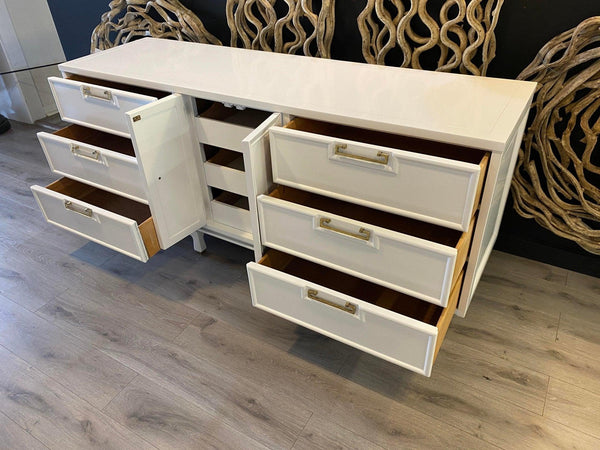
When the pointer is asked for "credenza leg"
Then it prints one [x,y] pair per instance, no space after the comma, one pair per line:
[199,244]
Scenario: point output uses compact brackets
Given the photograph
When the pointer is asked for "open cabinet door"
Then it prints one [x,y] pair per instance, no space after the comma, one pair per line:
[257,160]
[164,145]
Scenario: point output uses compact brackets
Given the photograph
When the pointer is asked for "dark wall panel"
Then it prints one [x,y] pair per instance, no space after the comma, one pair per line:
[526,25]
[75,20]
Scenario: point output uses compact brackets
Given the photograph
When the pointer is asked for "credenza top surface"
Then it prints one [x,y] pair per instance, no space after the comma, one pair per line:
[461,109]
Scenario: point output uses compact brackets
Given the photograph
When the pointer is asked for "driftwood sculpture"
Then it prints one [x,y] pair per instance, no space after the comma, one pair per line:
[462,39]
[557,178]
[254,24]
[128,19]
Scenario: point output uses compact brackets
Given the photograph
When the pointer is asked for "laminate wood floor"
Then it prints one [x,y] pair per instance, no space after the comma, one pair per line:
[100,351]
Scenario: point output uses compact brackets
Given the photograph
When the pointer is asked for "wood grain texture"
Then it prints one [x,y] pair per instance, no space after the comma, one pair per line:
[19,146]
[320,433]
[18,190]
[526,337]
[85,371]
[474,411]
[501,263]
[494,375]
[13,437]
[539,295]
[580,333]
[581,281]
[447,314]
[574,406]
[384,421]
[53,414]
[239,401]
[20,283]
[170,421]
[148,232]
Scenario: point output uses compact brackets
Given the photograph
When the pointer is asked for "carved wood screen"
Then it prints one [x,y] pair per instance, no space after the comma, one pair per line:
[128,19]
[255,24]
[461,38]
[557,178]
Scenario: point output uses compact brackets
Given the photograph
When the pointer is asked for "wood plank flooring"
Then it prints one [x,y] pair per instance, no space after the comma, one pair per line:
[100,351]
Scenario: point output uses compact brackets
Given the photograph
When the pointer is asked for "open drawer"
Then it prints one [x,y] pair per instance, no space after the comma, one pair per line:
[94,157]
[416,258]
[232,210]
[226,127]
[428,181]
[372,318]
[108,219]
[99,104]
[225,170]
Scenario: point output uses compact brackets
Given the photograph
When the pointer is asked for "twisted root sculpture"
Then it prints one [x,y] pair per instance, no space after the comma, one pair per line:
[168,19]
[557,178]
[254,24]
[463,39]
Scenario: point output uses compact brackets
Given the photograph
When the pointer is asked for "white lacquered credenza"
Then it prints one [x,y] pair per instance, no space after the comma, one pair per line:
[371,196]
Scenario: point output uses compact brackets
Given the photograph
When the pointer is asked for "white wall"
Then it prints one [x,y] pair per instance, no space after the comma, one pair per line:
[28,38]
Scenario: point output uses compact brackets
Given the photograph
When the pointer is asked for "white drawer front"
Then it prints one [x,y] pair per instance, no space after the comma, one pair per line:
[401,340]
[226,178]
[95,106]
[94,165]
[401,262]
[104,227]
[222,134]
[423,187]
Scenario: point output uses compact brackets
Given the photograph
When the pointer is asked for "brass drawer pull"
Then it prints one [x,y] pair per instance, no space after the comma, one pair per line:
[105,95]
[77,151]
[87,212]
[384,157]
[313,294]
[363,234]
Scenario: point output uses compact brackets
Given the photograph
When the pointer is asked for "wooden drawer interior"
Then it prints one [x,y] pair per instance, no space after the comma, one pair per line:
[119,86]
[415,145]
[97,138]
[115,204]
[231,199]
[248,117]
[226,158]
[224,169]
[231,209]
[366,291]
[102,199]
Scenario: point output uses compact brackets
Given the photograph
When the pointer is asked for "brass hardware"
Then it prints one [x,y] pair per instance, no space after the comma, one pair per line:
[363,234]
[313,294]
[87,212]
[384,156]
[106,95]
[94,155]
[137,118]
